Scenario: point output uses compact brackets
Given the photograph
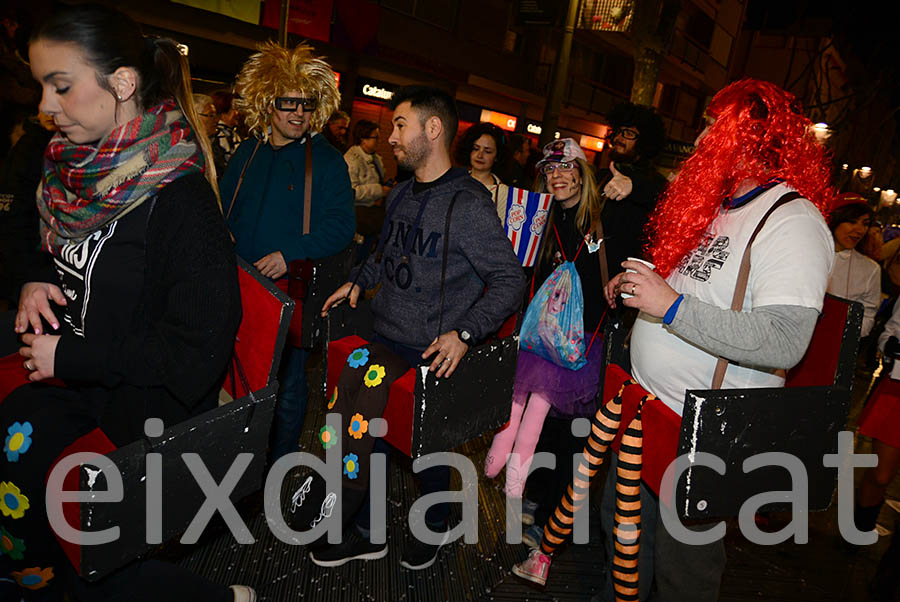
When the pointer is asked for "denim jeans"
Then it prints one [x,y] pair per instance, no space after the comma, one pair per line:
[290,410]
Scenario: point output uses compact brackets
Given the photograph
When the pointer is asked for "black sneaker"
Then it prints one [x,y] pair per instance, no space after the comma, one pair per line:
[418,555]
[354,547]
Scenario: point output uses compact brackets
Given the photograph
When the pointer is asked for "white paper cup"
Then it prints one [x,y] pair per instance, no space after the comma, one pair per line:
[646,263]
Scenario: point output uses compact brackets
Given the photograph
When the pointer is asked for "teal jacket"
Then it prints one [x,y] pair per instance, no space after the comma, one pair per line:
[267,215]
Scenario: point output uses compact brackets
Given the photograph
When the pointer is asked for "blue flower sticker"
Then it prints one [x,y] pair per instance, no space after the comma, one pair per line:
[358,358]
[351,466]
[18,441]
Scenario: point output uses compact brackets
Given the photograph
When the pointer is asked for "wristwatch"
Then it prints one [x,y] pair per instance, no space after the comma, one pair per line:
[465,336]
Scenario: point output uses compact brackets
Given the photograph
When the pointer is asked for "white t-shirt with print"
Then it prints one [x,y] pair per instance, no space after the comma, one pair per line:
[790,263]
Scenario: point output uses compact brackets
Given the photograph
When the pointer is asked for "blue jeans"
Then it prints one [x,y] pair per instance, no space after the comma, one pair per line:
[291,409]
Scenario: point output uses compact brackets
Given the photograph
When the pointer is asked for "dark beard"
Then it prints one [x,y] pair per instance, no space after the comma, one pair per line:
[621,157]
[415,153]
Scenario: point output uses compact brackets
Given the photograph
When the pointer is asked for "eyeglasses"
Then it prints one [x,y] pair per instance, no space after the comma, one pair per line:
[626,133]
[291,103]
[549,168]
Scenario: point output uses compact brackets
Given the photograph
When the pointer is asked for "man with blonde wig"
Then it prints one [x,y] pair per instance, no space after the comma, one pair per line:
[287,193]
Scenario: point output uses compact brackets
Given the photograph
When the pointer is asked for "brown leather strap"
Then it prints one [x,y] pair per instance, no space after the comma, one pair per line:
[601,254]
[241,178]
[307,185]
[740,288]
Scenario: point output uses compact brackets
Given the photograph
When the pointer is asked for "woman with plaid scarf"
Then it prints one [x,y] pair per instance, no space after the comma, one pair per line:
[136,308]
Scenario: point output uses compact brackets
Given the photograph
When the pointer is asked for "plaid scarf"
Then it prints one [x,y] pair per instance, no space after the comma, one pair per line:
[86,187]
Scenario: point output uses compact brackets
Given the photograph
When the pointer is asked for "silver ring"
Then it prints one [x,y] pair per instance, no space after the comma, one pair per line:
[446,359]
[29,366]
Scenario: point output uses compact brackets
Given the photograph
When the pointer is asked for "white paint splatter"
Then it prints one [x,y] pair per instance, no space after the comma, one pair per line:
[92,476]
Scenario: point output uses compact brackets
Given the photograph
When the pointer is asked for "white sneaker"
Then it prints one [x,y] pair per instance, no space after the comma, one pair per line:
[243,593]
[534,568]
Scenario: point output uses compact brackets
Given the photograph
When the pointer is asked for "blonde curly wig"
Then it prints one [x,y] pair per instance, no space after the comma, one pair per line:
[274,71]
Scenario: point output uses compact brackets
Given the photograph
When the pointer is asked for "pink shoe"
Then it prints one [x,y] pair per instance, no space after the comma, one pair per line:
[534,568]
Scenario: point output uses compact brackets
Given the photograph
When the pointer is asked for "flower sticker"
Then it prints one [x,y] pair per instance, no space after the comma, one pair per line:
[11,546]
[351,468]
[374,376]
[327,436]
[12,502]
[358,426]
[334,398]
[18,441]
[358,358]
[33,578]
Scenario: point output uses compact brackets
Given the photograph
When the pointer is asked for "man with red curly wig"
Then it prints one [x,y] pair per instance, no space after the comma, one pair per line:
[756,148]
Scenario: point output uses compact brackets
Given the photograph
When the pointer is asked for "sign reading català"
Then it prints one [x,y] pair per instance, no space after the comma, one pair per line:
[374,89]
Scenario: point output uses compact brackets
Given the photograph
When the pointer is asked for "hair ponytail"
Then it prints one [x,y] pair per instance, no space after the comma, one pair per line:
[171,78]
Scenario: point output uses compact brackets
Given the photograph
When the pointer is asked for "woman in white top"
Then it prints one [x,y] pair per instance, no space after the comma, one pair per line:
[367,178]
[365,166]
[482,148]
[855,276]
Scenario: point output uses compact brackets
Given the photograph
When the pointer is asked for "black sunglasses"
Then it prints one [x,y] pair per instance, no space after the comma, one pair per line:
[291,103]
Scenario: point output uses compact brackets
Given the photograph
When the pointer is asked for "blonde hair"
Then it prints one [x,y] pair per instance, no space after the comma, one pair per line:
[590,206]
[274,71]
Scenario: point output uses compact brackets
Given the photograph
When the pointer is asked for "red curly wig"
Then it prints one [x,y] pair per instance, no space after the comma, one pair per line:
[759,133]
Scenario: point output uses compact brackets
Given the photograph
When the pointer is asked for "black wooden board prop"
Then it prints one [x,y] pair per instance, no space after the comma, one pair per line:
[329,273]
[218,436]
[736,424]
[476,399]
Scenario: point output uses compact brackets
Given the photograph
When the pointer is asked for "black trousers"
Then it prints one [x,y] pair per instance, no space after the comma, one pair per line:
[56,417]
[545,486]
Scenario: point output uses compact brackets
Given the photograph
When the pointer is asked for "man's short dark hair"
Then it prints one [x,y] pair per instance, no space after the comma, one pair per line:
[428,101]
[653,134]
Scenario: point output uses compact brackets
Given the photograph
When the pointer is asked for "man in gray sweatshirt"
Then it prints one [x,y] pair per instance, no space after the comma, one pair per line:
[425,310]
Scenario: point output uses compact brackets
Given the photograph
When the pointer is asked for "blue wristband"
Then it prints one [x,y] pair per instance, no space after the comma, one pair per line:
[673,309]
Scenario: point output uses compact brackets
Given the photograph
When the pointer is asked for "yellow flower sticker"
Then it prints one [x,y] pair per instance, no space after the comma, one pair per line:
[12,502]
[358,426]
[374,375]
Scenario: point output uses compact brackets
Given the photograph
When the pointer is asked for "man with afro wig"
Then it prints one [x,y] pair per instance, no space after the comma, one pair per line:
[286,96]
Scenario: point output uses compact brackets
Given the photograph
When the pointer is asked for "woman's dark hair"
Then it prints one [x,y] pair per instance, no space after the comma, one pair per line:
[464,148]
[363,129]
[848,213]
[222,99]
[110,40]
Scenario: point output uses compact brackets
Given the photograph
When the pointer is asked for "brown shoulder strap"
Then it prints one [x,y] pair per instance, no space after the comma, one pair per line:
[307,184]
[740,288]
[241,178]
[601,254]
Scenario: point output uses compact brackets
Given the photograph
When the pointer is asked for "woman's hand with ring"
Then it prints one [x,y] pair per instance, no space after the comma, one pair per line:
[40,354]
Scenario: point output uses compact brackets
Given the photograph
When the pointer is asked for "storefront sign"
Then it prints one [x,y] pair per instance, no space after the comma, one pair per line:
[592,143]
[501,120]
[533,128]
[376,92]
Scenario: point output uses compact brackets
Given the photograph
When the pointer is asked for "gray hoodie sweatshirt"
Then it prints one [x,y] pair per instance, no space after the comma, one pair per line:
[484,282]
